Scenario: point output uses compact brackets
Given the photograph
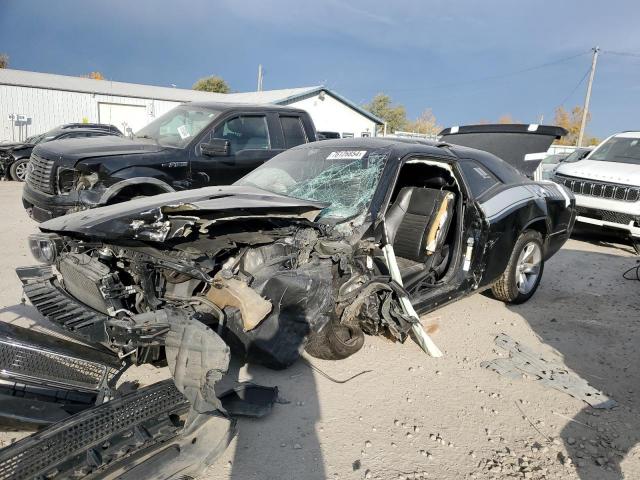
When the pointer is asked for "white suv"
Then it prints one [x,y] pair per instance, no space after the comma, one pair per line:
[606,183]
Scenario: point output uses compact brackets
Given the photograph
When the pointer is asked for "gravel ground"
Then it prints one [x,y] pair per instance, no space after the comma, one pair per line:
[413,416]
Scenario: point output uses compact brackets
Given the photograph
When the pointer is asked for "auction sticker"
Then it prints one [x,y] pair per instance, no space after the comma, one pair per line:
[347,155]
[183,131]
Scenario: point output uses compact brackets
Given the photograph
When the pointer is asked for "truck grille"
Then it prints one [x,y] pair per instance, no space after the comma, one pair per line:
[592,188]
[40,174]
[607,215]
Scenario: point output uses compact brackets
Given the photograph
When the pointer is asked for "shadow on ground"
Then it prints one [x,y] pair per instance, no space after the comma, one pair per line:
[283,445]
[599,343]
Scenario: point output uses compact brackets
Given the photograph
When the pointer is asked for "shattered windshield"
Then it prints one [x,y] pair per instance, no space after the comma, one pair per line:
[345,178]
[178,126]
[618,149]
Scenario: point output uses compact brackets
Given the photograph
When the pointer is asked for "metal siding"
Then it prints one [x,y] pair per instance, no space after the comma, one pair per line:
[51,108]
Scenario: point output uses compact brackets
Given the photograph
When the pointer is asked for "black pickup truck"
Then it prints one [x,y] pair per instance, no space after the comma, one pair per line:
[193,145]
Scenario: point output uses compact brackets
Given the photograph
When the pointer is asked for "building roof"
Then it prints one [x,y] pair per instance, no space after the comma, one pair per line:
[51,81]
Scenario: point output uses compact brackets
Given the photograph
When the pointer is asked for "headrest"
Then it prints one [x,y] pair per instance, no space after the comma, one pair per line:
[438,182]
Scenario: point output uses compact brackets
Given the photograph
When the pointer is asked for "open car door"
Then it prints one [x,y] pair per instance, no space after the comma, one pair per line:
[522,146]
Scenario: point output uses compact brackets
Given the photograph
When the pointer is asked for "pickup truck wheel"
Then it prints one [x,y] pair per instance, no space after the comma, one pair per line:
[335,341]
[522,276]
[18,169]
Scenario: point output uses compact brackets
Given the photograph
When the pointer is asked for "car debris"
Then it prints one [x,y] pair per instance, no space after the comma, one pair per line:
[319,246]
[550,372]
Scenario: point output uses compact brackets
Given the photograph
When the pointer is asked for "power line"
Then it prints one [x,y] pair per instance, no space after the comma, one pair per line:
[576,87]
[491,77]
[622,54]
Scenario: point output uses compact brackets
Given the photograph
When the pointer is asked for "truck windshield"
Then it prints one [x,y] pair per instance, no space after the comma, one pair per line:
[177,127]
[618,149]
[345,178]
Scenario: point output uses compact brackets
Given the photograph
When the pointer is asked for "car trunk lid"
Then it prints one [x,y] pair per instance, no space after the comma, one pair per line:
[522,146]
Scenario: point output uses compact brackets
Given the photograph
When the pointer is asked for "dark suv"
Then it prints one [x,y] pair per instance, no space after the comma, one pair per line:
[14,156]
[193,145]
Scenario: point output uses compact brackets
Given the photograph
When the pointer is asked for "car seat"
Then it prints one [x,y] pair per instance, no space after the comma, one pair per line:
[417,226]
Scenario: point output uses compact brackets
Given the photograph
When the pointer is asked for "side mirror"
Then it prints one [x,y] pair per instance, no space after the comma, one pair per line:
[217,147]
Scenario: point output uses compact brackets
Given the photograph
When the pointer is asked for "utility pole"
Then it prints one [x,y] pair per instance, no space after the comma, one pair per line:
[260,77]
[587,98]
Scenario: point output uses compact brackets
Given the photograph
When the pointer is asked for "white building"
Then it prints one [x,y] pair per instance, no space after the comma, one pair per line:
[32,102]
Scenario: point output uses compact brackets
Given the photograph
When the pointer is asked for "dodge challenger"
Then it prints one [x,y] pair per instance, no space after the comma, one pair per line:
[320,246]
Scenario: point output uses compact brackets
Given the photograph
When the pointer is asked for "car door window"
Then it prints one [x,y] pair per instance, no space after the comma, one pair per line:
[247,132]
[479,178]
[293,131]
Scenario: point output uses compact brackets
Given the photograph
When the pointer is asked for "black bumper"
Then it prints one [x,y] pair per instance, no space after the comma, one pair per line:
[42,206]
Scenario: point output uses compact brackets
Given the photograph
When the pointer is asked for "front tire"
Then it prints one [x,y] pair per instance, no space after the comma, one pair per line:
[522,276]
[335,341]
[18,169]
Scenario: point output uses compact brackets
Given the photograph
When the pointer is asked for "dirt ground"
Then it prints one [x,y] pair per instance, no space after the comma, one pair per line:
[413,416]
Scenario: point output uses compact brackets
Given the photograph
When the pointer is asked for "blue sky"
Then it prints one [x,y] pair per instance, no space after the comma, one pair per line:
[456,58]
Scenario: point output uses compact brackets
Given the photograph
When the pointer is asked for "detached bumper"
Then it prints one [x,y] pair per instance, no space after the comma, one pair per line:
[45,379]
[139,436]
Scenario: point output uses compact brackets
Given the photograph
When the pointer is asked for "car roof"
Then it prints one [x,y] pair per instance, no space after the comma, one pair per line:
[400,147]
[222,106]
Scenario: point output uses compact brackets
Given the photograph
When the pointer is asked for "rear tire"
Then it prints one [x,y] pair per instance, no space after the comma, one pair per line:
[18,169]
[335,341]
[522,276]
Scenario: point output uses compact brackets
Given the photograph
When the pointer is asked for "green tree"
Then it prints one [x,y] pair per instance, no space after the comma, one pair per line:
[212,84]
[4,60]
[394,115]
[426,124]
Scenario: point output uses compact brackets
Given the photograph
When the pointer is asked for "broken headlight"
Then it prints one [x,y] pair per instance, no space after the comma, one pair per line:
[45,247]
[66,180]
[86,182]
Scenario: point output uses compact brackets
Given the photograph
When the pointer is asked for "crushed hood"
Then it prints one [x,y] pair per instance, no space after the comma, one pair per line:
[612,172]
[74,149]
[163,216]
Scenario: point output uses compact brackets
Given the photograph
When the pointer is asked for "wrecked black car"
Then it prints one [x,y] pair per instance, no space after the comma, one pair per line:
[14,156]
[320,246]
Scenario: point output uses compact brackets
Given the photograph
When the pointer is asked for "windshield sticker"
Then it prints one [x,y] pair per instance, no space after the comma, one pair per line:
[183,131]
[347,155]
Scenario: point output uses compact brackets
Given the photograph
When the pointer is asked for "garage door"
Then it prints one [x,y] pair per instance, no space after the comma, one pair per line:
[123,116]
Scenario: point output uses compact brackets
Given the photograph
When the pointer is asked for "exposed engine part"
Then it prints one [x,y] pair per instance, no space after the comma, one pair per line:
[235,293]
